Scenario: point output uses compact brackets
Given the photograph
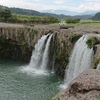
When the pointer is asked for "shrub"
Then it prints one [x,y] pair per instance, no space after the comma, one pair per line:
[96,62]
[92,40]
[74,37]
[70,20]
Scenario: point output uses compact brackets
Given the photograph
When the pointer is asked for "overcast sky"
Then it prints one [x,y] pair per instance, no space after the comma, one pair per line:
[39,5]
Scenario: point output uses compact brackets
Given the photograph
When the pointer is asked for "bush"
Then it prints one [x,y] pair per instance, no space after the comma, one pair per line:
[96,62]
[70,20]
[92,40]
[74,37]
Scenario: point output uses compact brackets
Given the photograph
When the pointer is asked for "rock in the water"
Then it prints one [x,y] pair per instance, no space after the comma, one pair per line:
[85,87]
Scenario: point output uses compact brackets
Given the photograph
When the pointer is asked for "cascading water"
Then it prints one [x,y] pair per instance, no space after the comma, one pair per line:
[37,54]
[98,66]
[40,56]
[80,60]
[46,55]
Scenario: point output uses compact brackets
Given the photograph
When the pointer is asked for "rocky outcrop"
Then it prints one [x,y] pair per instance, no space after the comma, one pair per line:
[96,60]
[18,41]
[85,87]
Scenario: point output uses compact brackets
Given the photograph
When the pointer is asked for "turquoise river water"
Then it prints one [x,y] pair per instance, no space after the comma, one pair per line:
[18,85]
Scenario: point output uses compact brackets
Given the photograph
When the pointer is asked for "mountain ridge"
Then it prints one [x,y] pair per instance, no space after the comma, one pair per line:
[54,13]
[71,13]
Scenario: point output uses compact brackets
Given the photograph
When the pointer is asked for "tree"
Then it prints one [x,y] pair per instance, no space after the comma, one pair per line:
[5,14]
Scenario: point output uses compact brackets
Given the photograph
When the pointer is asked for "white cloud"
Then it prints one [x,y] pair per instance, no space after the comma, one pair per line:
[59,1]
[89,5]
[36,0]
[92,0]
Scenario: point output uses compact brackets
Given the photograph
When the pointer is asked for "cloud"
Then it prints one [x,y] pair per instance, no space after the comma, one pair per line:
[92,0]
[90,5]
[27,5]
[59,1]
[87,5]
[36,0]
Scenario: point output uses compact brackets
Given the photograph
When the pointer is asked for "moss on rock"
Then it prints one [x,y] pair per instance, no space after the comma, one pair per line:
[74,37]
[92,40]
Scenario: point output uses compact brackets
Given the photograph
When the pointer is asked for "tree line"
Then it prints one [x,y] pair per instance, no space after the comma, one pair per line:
[97,16]
[6,15]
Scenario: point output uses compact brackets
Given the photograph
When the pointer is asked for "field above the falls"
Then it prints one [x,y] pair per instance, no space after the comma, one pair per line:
[83,27]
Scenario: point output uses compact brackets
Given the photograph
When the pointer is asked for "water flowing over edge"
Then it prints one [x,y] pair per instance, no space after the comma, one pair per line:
[80,60]
[40,57]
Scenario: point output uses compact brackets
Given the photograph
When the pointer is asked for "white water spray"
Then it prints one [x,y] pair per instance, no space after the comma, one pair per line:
[40,57]
[46,55]
[37,54]
[80,60]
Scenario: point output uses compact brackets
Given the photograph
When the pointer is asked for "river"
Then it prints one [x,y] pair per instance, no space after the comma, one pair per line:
[18,85]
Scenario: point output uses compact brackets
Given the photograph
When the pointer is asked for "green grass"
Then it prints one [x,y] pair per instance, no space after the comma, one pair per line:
[82,23]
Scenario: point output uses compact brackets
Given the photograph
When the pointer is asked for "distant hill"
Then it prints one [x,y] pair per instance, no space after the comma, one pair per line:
[71,13]
[89,12]
[34,13]
[54,13]
[65,12]
[25,12]
[97,16]
[83,17]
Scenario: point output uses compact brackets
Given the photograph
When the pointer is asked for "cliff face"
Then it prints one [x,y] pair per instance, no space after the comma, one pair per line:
[18,41]
[85,87]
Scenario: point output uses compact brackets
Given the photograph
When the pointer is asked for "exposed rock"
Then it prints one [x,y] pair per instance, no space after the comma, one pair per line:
[22,39]
[96,55]
[85,87]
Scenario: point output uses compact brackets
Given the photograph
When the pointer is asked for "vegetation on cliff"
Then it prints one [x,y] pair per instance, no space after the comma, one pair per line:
[17,43]
[92,40]
[96,62]
[74,37]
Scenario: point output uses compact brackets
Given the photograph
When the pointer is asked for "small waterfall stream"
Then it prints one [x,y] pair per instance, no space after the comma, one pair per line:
[80,60]
[40,56]
[46,54]
[37,54]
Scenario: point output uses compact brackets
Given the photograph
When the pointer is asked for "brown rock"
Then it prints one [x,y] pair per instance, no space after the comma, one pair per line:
[85,87]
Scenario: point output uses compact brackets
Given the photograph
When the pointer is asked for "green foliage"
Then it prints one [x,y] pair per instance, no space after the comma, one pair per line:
[62,54]
[92,40]
[74,37]
[70,20]
[97,16]
[58,98]
[6,13]
[13,18]
[96,62]
[24,43]
[35,31]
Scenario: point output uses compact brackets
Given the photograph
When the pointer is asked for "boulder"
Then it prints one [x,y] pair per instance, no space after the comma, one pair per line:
[85,87]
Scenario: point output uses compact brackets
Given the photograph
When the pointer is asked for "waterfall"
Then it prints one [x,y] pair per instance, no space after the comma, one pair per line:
[46,55]
[80,60]
[40,57]
[37,54]
[98,66]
